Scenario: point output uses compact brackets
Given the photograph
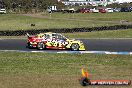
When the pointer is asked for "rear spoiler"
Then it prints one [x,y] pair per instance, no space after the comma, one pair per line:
[27,34]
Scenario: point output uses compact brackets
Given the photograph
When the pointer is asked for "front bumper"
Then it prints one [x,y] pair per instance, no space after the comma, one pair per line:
[82,47]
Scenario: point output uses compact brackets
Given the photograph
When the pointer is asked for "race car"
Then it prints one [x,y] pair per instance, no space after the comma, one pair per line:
[51,40]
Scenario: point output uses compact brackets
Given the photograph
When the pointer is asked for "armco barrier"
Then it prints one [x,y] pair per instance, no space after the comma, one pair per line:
[63,30]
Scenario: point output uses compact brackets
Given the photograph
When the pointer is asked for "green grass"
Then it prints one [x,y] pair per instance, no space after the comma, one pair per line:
[95,16]
[102,34]
[59,20]
[43,70]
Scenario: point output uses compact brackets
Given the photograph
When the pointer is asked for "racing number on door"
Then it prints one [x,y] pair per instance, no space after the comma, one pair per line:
[58,44]
[55,44]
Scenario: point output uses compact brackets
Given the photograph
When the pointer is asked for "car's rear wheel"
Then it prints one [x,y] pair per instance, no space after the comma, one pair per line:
[40,46]
[74,47]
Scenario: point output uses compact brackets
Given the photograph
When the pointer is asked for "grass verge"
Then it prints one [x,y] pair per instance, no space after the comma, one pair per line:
[59,20]
[102,34]
[43,70]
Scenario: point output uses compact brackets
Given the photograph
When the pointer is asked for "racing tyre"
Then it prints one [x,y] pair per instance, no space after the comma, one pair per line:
[40,46]
[74,47]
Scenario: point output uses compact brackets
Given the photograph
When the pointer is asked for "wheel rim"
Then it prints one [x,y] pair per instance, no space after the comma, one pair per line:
[40,46]
[75,47]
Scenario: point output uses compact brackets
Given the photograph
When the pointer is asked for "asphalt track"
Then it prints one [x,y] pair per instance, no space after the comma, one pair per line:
[113,45]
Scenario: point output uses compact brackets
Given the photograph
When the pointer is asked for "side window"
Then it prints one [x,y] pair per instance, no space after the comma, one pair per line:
[60,37]
[57,37]
[46,36]
[54,36]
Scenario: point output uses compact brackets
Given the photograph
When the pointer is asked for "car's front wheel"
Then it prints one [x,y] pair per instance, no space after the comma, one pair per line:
[74,47]
[40,46]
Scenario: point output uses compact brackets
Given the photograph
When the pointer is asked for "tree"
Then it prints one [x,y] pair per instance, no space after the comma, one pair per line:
[114,5]
[7,3]
[60,5]
[28,5]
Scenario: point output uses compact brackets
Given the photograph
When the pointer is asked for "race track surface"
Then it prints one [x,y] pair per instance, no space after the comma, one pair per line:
[90,45]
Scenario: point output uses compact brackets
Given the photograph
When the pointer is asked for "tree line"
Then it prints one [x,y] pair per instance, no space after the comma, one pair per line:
[25,6]
[28,5]
[116,5]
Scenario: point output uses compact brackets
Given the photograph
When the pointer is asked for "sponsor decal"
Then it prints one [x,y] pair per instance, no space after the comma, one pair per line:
[85,81]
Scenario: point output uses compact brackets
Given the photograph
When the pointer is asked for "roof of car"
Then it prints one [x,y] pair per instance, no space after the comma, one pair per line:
[41,34]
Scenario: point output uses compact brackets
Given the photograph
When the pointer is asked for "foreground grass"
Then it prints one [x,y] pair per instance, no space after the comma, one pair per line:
[59,20]
[42,70]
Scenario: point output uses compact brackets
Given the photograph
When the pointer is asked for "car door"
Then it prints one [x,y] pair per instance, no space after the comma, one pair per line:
[58,40]
[47,39]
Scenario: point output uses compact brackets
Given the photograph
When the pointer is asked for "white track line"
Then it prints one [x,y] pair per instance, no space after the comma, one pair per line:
[74,52]
[74,38]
